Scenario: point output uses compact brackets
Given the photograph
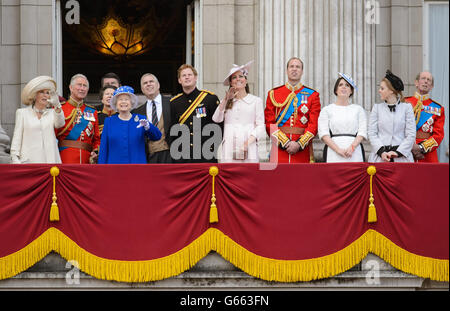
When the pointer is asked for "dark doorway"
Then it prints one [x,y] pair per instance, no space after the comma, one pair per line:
[162,23]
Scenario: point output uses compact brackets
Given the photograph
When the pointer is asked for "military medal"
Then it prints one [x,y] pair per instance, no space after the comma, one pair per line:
[304,99]
[87,116]
[304,120]
[304,109]
[200,112]
[79,116]
[432,110]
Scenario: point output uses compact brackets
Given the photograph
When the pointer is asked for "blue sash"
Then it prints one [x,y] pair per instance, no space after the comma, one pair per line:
[425,116]
[302,98]
[78,128]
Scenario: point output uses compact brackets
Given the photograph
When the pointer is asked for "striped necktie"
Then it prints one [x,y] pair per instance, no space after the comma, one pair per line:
[154,114]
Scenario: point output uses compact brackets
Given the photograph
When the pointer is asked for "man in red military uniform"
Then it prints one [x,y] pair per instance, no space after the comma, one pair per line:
[291,115]
[430,119]
[79,139]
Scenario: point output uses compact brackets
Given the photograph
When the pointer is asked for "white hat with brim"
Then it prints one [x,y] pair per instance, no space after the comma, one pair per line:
[348,79]
[35,85]
[128,90]
[244,68]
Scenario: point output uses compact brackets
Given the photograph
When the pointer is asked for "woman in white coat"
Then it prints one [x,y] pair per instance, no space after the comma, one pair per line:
[34,139]
[392,126]
[243,114]
[343,126]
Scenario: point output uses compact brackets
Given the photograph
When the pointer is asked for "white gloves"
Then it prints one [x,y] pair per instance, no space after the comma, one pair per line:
[144,123]
[54,100]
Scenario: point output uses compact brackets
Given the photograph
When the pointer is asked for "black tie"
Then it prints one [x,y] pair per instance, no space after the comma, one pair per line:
[392,108]
[154,114]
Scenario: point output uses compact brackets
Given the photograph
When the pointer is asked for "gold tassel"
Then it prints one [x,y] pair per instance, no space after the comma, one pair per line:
[213,212]
[372,214]
[54,211]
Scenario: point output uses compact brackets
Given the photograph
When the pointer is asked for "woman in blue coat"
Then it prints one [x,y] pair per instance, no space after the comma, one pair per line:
[124,134]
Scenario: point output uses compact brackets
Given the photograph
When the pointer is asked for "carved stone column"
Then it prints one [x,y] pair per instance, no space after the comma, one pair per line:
[329,36]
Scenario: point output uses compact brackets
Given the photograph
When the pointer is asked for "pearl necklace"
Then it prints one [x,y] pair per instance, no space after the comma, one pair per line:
[38,110]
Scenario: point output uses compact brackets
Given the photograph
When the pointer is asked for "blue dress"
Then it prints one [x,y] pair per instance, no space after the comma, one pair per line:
[123,143]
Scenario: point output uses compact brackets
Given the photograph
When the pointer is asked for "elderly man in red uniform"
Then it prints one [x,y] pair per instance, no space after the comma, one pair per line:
[291,117]
[79,139]
[430,119]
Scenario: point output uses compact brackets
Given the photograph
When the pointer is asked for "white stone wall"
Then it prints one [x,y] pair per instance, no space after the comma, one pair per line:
[229,37]
[329,36]
[25,50]
[399,42]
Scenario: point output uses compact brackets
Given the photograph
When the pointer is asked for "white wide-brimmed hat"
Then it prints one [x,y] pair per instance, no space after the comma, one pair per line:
[244,68]
[35,85]
[348,79]
[124,90]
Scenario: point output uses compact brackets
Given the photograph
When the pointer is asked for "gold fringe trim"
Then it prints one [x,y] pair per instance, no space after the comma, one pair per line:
[213,239]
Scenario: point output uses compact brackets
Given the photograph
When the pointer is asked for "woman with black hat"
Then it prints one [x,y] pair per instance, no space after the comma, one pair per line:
[392,127]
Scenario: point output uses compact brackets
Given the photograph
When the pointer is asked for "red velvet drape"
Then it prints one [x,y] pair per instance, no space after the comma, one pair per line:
[302,211]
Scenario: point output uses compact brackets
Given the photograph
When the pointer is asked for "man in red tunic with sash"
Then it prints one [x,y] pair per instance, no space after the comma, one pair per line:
[291,115]
[79,139]
[430,120]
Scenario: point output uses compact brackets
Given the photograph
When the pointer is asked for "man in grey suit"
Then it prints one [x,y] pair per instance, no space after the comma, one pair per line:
[157,110]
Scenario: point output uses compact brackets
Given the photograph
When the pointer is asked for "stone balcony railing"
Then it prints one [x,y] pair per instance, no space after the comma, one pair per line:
[215,273]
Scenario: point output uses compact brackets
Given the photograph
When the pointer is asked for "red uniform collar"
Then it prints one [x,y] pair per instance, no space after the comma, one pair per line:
[422,98]
[293,88]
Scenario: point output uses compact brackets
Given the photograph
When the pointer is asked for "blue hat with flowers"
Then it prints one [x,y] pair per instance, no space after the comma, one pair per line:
[349,80]
[124,90]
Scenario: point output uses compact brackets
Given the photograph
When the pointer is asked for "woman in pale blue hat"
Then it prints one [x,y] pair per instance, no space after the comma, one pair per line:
[243,117]
[342,126]
[124,134]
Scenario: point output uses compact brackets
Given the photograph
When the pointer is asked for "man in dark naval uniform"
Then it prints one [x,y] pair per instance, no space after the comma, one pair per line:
[194,135]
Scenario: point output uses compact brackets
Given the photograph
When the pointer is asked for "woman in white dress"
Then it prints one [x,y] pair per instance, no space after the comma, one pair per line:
[392,126]
[343,126]
[34,139]
[243,114]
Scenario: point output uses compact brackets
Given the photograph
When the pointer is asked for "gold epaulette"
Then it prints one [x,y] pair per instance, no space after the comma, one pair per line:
[175,97]
[307,87]
[209,92]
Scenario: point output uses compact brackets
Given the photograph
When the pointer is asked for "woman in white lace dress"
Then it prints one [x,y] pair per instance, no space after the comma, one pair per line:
[342,125]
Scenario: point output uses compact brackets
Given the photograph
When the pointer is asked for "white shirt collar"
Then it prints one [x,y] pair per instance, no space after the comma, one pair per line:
[158,103]
[158,100]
